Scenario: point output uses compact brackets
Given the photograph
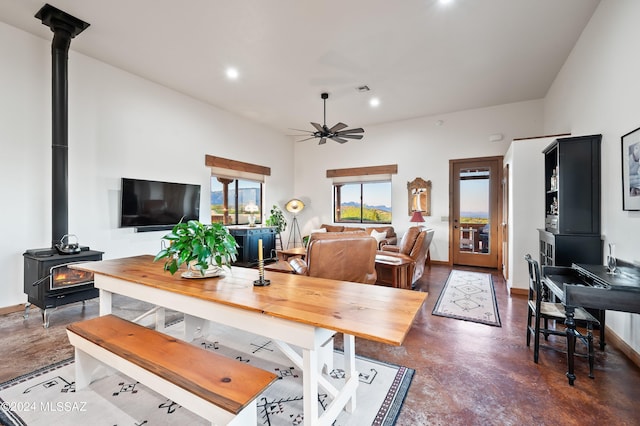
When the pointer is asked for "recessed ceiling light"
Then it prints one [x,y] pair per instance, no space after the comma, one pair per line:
[445,1]
[232,73]
[374,102]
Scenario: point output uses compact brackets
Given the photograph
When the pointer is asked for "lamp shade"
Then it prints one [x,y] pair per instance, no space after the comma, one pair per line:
[251,208]
[417,217]
[294,206]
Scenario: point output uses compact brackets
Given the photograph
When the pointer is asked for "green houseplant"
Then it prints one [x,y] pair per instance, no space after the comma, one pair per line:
[200,246]
[276,219]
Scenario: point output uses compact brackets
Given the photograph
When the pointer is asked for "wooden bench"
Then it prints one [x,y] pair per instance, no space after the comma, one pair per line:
[220,389]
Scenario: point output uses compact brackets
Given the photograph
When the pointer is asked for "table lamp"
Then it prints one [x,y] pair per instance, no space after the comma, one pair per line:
[252,209]
[417,217]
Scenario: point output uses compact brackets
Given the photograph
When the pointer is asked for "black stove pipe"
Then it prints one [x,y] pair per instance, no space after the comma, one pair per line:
[64,27]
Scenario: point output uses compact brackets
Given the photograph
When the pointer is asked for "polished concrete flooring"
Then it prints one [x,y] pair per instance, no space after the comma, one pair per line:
[466,373]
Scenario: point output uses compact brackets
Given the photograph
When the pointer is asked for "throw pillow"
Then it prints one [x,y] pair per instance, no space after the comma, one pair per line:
[379,236]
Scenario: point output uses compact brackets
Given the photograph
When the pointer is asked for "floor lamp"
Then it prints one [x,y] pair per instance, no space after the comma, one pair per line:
[294,206]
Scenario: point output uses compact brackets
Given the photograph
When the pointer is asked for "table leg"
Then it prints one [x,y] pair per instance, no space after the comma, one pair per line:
[105,302]
[349,343]
[571,342]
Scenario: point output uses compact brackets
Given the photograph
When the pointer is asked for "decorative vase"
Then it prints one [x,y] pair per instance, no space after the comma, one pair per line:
[210,272]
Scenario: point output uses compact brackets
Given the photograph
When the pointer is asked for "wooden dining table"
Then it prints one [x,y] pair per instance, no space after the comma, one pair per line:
[293,310]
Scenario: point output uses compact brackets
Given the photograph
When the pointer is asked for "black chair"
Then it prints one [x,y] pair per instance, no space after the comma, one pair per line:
[539,310]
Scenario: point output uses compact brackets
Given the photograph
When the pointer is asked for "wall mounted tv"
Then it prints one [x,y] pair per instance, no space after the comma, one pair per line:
[152,206]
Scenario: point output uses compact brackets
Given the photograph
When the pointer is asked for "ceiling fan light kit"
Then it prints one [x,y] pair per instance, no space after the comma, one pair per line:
[335,133]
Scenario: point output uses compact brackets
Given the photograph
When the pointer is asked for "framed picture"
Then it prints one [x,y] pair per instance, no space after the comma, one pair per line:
[631,170]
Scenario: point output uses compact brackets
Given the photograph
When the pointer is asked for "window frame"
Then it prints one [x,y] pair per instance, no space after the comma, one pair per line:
[337,201]
[237,212]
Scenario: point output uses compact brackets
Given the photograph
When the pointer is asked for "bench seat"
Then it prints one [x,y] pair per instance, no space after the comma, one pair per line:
[220,389]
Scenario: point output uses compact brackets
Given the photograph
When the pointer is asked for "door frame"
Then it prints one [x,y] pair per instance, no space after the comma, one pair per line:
[496,221]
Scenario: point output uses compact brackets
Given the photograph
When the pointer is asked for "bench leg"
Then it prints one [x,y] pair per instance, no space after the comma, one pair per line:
[248,416]
[87,369]
[195,327]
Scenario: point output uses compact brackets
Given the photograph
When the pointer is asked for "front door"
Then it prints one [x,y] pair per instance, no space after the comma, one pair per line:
[475,211]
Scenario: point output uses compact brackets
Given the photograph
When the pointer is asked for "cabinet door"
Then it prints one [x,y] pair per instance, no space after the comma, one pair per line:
[579,186]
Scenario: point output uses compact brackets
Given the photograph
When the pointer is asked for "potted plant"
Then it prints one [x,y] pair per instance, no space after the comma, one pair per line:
[276,219]
[204,248]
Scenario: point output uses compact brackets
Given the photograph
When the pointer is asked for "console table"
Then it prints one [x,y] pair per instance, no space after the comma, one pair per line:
[247,238]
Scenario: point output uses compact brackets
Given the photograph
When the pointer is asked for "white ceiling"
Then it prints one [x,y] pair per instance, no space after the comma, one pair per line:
[417,56]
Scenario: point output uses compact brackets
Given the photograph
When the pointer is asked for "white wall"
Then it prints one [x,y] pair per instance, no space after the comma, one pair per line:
[526,205]
[597,91]
[119,126]
[421,148]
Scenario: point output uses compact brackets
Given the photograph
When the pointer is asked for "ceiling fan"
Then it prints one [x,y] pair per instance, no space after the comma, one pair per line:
[335,133]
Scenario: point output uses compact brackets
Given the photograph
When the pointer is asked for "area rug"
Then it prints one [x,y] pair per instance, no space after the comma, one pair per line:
[469,296]
[48,396]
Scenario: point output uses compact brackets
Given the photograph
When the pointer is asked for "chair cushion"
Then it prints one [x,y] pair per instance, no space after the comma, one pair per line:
[556,310]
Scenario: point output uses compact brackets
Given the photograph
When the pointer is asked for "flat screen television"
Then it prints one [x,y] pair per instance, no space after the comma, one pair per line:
[153,205]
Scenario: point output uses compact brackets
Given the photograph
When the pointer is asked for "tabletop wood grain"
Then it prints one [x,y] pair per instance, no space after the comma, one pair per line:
[372,312]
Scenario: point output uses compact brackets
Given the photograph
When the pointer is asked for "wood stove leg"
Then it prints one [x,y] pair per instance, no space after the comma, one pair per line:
[26,310]
[45,318]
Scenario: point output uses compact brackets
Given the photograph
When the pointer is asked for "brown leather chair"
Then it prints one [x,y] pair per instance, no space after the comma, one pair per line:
[344,256]
[414,246]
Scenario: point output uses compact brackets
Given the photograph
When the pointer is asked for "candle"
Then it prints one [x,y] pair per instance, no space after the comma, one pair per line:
[260,250]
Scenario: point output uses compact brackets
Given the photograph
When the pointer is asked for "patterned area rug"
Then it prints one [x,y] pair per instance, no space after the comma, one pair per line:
[48,396]
[469,296]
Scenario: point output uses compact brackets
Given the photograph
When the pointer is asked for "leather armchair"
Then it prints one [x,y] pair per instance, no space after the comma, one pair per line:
[344,256]
[414,246]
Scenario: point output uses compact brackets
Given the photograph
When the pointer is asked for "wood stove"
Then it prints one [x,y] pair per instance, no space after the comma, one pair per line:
[49,282]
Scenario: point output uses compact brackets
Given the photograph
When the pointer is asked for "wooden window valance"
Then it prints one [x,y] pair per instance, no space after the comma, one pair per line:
[226,168]
[390,169]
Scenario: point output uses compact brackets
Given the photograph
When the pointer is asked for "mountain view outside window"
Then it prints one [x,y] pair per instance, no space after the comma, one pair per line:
[368,202]
[240,194]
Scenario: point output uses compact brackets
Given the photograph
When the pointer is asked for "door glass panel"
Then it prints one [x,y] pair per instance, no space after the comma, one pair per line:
[474,210]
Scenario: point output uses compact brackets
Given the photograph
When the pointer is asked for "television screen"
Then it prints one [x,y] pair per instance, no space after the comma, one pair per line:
[148,203]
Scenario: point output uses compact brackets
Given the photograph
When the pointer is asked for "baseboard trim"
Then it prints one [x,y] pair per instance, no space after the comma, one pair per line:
[11,309]
[614,340]
[519,291]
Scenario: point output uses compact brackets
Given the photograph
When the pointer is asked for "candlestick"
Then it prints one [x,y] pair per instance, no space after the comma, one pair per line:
[260,281]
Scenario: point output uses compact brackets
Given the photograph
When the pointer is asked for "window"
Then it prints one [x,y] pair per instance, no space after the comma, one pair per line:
[233,201]
[362,202]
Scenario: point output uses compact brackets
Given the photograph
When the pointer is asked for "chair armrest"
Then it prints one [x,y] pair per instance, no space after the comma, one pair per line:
[299,266]
[391,248]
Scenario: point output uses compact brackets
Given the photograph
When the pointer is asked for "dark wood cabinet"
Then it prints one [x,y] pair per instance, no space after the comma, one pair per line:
[572,202]
[247,238]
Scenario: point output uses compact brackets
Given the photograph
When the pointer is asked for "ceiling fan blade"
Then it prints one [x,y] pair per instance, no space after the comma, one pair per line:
[340,135]
[302,140]
[317,126]
[300,130]
[322,141]
[339,139]
[337,127]
[358,130]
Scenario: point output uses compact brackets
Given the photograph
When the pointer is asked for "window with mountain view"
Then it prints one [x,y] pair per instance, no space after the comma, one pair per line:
[233,201]
[362,202]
